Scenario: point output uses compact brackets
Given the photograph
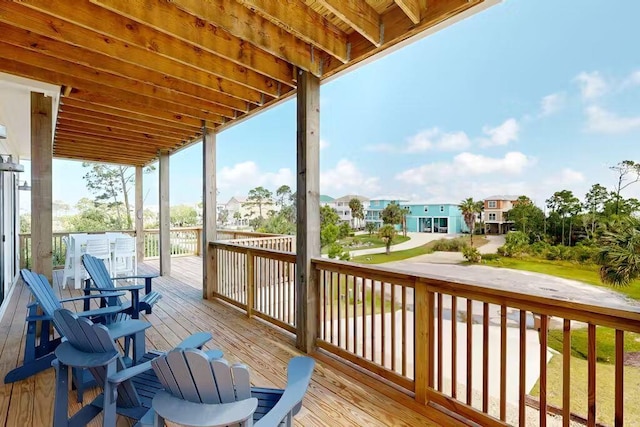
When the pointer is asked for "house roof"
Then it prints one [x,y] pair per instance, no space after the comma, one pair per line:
[502,197]
[326,199]
[348,198]
[141,77]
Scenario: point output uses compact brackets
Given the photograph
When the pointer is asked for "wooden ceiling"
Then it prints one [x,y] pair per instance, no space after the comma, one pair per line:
[141,76]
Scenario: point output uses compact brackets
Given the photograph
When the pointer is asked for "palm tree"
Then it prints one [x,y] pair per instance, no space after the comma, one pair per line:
[619,257]
[387,233]
[470,209]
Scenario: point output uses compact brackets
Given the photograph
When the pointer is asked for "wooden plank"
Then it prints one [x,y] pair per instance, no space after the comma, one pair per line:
[619,379]
[566,373]
[242,23]
[544,331]
[308,208]
[469,383]
[164,214]
[41,184]
[411,8]
[305,23]
[454,347]
[209,195]
[70,125]
[48,47]
[485,357]
[522,371]
[503,362]
[135,43]
[424,304]
[359,15]
[102,143]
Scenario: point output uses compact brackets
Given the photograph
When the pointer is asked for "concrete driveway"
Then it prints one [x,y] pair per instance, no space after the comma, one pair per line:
[416,240]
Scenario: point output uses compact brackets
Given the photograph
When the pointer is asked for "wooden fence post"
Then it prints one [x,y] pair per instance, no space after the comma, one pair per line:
[424,303]
[250,282]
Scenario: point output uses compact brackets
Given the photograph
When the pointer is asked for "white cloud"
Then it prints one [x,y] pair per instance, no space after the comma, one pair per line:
[592,85]
[466,164]
[566,176]
[603,121]
[242,177]
[324,144]
[380,148]
[502,134]
[632,80]
[345,177]
[551,104]
[435,139]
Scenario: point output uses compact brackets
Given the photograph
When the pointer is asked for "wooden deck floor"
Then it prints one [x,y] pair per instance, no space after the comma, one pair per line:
[333,399]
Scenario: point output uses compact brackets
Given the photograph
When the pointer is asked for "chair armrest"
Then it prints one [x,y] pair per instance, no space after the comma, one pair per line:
[126,374]
[198,414]
[130,288]
[70,356]
[139,276]
[102,311]
[38,318]
[196,340]
[299,374]
[105,295]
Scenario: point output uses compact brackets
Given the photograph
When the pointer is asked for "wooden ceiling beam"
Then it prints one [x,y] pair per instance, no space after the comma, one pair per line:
[359,15]
[99,159]
[94,28]
[121,122]
[79,147]
[236,20]
[87,120]
[83,100]
[64,51]
[68,124]
[80,76]
[65,130]
[305,23]
[411,8]
[116,147]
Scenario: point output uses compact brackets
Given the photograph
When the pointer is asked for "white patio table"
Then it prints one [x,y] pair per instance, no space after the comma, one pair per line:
[79,242]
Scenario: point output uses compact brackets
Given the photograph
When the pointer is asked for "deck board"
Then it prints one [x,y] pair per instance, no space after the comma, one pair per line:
[332,400]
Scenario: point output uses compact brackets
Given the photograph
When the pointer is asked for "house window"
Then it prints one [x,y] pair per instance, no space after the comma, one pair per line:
[441,208]
[426,208]
[492,217]
[493,204]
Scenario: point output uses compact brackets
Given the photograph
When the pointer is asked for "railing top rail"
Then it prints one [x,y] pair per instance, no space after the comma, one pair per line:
[64,233]
[267,253]
[625,317]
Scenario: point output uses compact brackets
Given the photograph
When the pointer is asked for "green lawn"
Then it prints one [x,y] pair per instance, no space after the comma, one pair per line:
[407,253]
[605,390]
[364,241]
[605,343]
[587,273]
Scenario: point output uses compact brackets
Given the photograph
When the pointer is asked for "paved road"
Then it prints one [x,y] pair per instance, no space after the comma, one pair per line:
[417,239]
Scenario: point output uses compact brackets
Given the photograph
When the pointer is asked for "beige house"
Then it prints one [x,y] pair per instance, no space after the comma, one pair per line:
[247,210]
[495,213]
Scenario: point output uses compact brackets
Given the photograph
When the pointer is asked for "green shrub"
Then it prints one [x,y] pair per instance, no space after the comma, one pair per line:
[471,254]
[539,249]
[516,244]
[450,245]
[491,257]
[337,251]
[344,230]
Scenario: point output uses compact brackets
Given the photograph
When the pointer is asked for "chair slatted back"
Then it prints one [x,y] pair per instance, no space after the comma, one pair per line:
[99,247]
[189,374]
[90,337]
[99,274]
[39,286]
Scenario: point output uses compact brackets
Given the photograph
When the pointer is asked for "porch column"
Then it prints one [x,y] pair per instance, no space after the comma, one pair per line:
[308,208]
[139,211]
[209,213]
[41,187]
[165,216]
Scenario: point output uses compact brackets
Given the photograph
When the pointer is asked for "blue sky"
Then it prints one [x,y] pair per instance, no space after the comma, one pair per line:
[528,97]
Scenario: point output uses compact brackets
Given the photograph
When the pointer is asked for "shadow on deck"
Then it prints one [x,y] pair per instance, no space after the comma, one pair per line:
[333,398]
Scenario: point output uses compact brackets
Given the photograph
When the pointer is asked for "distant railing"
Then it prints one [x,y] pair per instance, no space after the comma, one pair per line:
[260,281]
[461,348]
[185,241]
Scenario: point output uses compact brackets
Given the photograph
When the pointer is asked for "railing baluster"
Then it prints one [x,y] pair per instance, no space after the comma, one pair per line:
[454,346]
[439,320]
[404,331]
[469,351]
[619,387]
[332,293]
[591,375]
[544,328]
[364,320]
[394,362]
[566,373]
[523,368]
[383,325]
[323,287]
[503,362]
[485,357]
[372,293]
[339,302]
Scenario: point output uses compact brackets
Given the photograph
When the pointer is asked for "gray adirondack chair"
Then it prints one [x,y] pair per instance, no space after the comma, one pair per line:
[199,391]
[126,391]
[101,281]
[38,351]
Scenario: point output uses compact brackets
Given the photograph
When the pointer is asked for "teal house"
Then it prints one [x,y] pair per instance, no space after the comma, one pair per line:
[422,217]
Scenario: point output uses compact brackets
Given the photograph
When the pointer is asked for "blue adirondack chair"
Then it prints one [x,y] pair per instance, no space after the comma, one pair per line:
[126,391]
[102,282]
[199,391]
[38,351]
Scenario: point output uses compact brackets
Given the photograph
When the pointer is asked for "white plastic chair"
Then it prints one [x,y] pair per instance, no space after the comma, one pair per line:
[124,257]
[101,249]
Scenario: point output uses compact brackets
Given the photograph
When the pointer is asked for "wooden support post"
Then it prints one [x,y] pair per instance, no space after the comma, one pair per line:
[209,213]
[41,185]
[424,303]
[139,210]
[308,209]
[165,216]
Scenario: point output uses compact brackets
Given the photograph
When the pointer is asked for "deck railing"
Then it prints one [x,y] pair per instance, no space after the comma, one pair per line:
[476,351]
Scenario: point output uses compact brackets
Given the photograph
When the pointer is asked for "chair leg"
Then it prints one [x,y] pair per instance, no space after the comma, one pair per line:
[158,421]
[61,399]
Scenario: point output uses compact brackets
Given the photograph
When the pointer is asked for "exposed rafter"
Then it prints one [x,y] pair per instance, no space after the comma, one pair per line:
[359,15]
[411,8]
